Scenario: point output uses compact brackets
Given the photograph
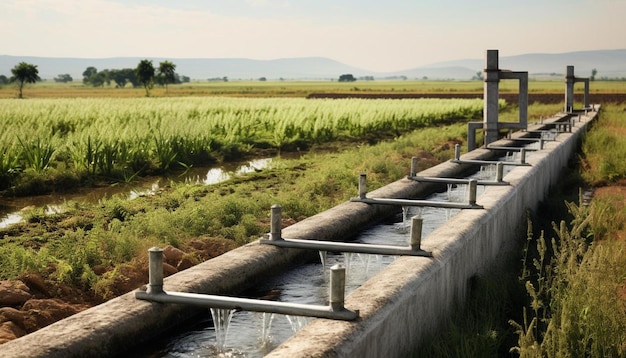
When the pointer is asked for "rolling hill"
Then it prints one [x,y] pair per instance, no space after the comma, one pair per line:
[609,63]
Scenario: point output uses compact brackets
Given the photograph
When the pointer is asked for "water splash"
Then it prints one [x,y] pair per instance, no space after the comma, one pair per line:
[297,322]
[266,329]
[221,322]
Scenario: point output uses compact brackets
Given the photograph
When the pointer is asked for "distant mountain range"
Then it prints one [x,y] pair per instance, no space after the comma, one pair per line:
[609,63]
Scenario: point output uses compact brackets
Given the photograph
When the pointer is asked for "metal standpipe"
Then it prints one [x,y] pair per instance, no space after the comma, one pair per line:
[412,202]
[335,309]
[413,175]
[333,246]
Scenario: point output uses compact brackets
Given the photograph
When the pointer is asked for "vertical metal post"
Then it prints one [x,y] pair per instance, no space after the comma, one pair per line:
[337,287]
[586,98]
[155,273]
[416,233]
[472,186]
[541,143]
[499,171]
[569,89]
[491,96]
[457,151]
[413,166]
[362,186]
[276,222]
[522,155]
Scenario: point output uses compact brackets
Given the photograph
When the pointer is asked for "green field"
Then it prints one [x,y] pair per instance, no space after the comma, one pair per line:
[120,138]
[296,88]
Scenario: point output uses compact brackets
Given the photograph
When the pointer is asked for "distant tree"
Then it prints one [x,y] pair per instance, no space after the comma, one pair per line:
[167,73]
[262,79]
[145,75]
[123,77]
[594,72]
[478,76]
[4,80]
[425,78]
[24,73]
[63,78]
[347,78]
[88,73]
[185,79]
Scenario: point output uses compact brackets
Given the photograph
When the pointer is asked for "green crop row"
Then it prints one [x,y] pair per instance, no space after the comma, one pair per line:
[118,138]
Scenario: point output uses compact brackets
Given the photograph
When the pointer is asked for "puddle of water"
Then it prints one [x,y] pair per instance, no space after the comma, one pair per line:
[10,208]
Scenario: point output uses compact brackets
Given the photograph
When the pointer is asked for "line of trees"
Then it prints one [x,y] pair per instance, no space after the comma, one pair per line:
[145,75]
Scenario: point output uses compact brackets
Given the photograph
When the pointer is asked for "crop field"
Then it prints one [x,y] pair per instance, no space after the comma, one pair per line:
[248,89]
[121,137]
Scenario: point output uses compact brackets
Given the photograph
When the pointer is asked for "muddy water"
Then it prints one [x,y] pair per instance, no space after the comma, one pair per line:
[11,208]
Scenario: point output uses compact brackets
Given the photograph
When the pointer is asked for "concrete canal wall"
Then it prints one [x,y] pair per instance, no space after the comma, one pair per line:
[397,306]
[414,295]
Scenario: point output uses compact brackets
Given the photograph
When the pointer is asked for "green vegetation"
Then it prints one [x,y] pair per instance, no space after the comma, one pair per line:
[24,73]
[96,85]
[116,139]
[70,246]
[605,148]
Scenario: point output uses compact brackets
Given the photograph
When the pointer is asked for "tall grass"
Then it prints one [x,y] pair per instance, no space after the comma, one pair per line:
[118,138]
[604,148]
[575,285]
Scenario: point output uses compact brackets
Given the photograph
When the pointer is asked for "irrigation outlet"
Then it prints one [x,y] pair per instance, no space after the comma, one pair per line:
[335,310]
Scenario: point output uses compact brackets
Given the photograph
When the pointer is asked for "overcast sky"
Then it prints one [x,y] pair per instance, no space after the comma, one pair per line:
[376,35]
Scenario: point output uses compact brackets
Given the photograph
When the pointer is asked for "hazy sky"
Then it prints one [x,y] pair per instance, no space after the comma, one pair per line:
[381,35]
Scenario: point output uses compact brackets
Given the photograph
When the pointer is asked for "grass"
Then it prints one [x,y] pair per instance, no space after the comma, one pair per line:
[92,246]
[118,138]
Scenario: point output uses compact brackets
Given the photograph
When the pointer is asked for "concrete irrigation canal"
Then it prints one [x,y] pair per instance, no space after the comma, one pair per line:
[390,313]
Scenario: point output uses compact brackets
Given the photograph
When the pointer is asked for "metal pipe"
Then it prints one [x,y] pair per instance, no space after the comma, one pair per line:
[247,304]
[276,222]
[488,162]
[472,186]
[409,202]
[337,287]
[454,180]
[416,233]
[509,149]
[522,156]
[413,166]
[541,143]
[335,310]
[499,171]
[457,152]
[362,186]
[155,271]
[346,247]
